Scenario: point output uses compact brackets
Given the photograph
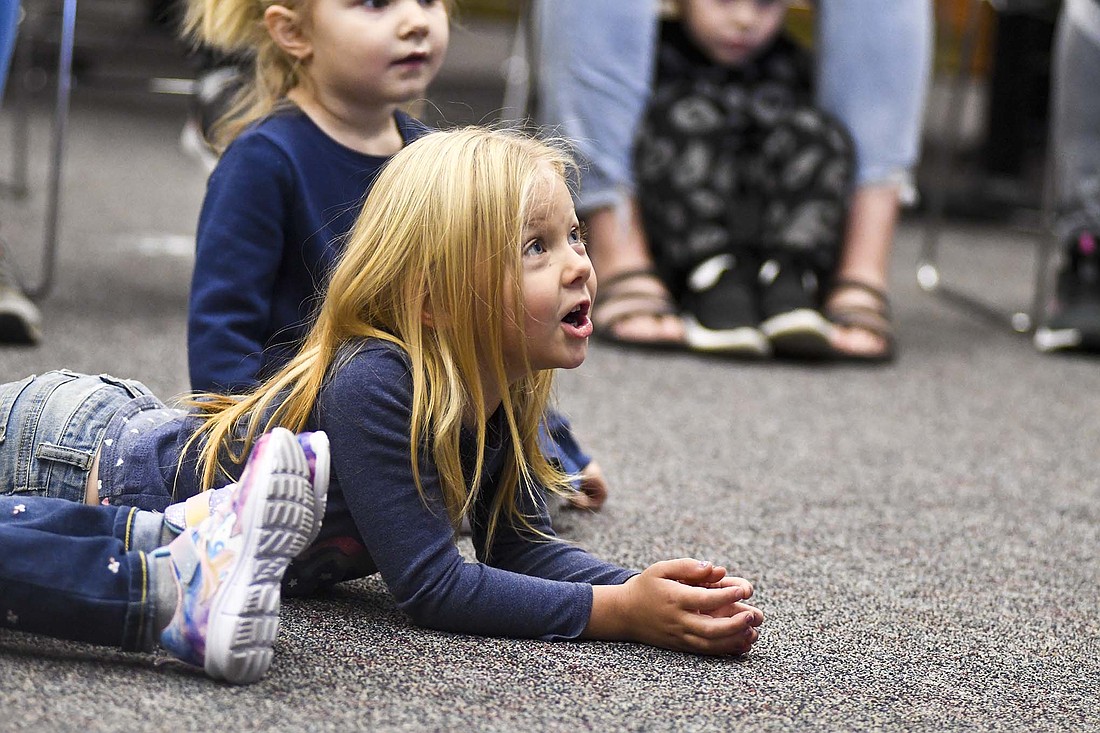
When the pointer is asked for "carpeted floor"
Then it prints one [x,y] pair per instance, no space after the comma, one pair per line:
[923,536]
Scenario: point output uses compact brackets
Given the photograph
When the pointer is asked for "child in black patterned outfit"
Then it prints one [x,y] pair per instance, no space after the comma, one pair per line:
[743,185]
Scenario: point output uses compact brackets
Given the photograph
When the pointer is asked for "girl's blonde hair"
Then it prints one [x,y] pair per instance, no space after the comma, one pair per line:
[236,27]
[428,267]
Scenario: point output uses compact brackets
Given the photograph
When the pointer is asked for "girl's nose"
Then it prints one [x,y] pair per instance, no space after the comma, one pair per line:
[578,269]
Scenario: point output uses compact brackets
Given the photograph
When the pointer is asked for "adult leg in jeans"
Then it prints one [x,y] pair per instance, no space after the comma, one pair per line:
[1075,120]
[595,62]
[874,65]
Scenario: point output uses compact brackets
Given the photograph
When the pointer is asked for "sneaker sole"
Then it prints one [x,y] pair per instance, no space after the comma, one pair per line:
[244,618]
[745,341]
[322,466]
[803,332]
[1049,340]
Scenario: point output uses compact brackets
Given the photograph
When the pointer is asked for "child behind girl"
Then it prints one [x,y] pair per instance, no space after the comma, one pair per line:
[464,284]
[302,148]
[742,184]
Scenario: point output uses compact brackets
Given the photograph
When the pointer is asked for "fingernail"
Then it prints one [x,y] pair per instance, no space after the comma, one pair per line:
[704,563]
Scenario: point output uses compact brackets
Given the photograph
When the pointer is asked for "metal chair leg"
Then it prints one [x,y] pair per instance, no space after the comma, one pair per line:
[57,151]
[929,275]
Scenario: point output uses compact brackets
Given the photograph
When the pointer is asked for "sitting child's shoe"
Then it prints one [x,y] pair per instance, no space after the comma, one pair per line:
[229,567]
[789,302]
[192,512]
[20,321]
[722,315]
[1074,322]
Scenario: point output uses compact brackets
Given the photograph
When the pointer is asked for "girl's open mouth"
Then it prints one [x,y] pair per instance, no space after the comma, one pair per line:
[577,322]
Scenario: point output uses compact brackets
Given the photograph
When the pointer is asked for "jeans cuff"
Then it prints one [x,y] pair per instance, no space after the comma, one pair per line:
[138,632]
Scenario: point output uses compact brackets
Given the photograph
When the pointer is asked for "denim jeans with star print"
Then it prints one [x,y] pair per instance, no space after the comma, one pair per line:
[77,572]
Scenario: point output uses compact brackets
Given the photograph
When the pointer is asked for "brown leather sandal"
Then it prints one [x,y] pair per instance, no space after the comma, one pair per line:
[632,294]
[873,318]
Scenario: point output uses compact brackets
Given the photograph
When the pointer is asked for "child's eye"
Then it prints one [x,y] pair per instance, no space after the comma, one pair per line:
[533,248]
[375,4]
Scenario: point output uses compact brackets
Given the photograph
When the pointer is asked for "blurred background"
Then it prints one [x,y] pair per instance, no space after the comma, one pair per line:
[128,193]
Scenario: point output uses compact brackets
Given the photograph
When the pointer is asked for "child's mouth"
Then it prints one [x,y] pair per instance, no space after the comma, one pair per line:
[577,321]
[413,59]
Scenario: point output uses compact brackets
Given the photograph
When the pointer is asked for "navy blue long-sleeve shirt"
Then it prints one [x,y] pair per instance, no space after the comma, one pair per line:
[376,520]
[277,207]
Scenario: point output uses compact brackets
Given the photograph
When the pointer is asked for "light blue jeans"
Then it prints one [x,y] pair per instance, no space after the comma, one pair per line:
[595,59]
[1076,117]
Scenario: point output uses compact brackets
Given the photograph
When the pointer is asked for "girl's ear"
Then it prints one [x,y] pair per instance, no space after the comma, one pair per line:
[285,28]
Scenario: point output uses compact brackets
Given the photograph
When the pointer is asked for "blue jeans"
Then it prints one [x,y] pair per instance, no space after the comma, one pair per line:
[595,61]
[9,29]
[51,427]
[77,572]
[1076,118]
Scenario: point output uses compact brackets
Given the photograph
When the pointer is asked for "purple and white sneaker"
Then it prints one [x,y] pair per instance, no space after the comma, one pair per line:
[192,512]
[229,567]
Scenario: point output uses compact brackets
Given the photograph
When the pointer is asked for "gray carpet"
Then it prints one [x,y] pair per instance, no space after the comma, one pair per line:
[923,537]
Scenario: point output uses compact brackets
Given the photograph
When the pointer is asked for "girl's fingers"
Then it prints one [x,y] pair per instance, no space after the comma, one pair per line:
[721,627]
[718,636]
[709,600]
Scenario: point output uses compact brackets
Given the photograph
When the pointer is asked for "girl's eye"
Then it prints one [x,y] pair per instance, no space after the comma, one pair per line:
[576,238]
[375,4]
[534,248]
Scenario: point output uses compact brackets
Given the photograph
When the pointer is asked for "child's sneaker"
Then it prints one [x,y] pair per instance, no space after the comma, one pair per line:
[1075,319]
[230,566]
[20,321]
[722,314]
[192,512]
[789,300]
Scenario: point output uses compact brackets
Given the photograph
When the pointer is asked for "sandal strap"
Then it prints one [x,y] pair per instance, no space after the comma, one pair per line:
[864,317]
[641,272]
[638,292]
[623,305]
[878,294]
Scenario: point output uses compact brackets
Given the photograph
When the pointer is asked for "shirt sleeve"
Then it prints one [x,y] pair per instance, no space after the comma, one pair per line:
[365,409]
[239,249]
[537,551]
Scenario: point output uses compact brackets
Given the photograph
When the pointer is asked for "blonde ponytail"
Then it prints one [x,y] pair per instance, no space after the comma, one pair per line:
[236,27]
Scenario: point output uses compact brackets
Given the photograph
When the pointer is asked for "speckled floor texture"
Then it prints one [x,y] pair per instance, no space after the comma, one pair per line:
[923,536]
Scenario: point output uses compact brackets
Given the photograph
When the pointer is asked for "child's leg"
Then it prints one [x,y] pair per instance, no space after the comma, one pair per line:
[701,219]
[72,571]
[806,172]
[212,598]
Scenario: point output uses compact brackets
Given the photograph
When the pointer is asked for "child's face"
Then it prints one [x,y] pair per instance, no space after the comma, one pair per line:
[558,284]
[376,52]
[731,32]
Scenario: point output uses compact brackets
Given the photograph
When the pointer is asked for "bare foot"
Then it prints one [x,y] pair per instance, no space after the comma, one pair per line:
[853,339]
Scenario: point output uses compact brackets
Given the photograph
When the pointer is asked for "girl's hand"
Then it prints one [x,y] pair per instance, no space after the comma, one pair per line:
[684,604]
[593,490]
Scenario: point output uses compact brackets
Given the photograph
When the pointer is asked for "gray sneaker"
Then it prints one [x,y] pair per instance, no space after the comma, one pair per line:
[20,321]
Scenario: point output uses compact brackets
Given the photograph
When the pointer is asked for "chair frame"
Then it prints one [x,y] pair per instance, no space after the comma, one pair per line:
[930,276]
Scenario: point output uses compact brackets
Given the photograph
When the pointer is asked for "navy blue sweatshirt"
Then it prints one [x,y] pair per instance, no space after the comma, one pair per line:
[376,520]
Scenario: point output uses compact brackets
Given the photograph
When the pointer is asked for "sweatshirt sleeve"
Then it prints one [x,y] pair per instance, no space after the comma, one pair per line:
[365,409]
[238,251]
